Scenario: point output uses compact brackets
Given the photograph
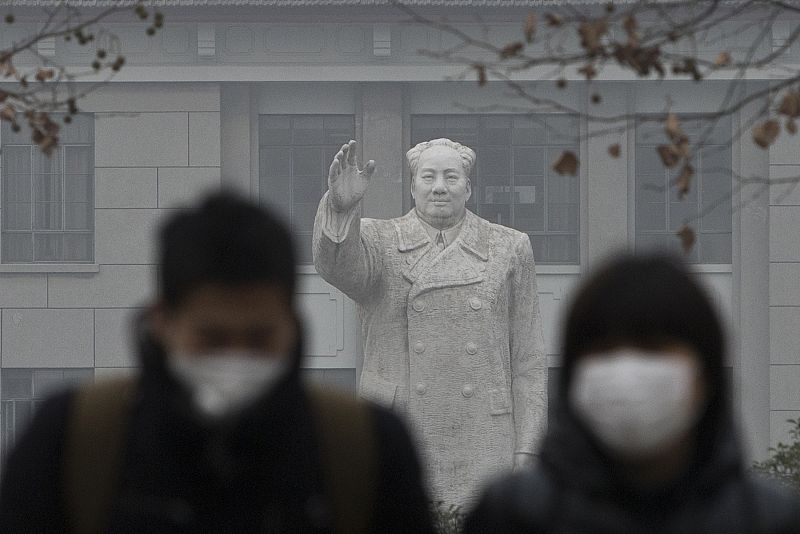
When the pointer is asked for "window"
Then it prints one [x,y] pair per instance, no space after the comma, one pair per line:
[48,202]
[21,393]
[513,183]
[659,211]
[295,153]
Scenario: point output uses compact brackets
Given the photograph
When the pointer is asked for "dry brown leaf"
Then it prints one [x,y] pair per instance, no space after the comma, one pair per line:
[530,27]
[670,156]
[614,150]
[723,59]
[567,163]
[511,50]
[791,126]
[790,104]
[553,20]
[765,133]
[687,237]
[45,74]
[673,128]
[629,24]
[481,69]
[589,71]
[8,114]
[591,33]
[684,181]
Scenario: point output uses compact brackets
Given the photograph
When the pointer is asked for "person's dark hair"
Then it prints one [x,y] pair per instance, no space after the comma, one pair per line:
[646,302]
[226,240]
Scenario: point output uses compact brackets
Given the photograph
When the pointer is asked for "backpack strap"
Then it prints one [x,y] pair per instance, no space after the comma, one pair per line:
[94,451]
[349,457]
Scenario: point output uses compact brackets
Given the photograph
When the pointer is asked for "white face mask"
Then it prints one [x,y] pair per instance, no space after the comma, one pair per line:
[223,383]
[635,403]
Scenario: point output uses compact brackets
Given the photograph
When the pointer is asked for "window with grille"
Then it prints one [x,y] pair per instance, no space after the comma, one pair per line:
[48,201]
[707,208]
[295,153]
[513,182]
[21,393]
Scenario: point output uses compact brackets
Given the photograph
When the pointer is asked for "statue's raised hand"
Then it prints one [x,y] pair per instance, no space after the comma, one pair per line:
[346,182]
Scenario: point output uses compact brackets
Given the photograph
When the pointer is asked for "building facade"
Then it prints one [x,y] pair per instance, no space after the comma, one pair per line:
[259,95]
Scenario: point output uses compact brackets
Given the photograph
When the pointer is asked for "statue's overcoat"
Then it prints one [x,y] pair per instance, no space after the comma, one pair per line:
[452,338]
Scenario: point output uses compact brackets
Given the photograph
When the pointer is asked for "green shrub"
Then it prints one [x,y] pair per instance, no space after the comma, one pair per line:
[784,462]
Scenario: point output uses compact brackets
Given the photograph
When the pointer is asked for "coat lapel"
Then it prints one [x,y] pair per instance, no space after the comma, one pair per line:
[461,263]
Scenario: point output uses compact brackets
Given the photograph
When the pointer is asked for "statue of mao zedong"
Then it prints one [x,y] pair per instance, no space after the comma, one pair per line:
[449,312]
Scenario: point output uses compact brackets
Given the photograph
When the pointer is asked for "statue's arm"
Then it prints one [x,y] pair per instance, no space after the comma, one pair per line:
[528,357]
[345,254]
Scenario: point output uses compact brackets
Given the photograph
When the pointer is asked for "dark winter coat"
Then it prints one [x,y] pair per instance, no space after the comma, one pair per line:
[576,489]
[262,474]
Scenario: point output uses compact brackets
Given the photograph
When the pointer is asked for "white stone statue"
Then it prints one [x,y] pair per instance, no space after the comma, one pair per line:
[450,316]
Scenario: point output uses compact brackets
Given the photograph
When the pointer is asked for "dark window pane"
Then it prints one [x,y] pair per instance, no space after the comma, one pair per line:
[562,248]
[17,247]
[529,131]
[650,217]
[47,216]
[48,247]
[275,130]
[77,216]
[47,187]
[78,159]
[276,190]
[529,160]
[17,216]
[562,217]
[275,161]
[44,164]
[303,244]
[715,248]
[16,159]
[77,247]
[17,188]
[308,130]
[650,187]
[681,213]
[307,161]
[79,131]
[78,188]
[17,384]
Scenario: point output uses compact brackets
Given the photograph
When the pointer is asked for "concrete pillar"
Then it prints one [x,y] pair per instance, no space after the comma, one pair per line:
[382,141]
[235,136]
[605,217]
[751,268]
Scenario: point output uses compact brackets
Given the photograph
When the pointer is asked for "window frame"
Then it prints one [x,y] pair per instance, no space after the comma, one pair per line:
[669,192]
[63,174]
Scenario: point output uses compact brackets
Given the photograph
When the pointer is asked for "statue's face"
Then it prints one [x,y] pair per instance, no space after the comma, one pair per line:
[440,188]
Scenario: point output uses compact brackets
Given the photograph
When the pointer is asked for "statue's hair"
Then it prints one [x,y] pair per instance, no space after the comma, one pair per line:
[466,153]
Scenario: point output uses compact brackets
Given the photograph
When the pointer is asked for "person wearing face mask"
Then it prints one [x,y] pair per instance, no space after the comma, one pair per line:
[217,433]
[642,439]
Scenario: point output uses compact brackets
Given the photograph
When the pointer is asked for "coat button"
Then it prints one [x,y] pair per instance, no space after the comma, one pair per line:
[418,305]
[419,347]
[468,390]
[472,348]
[421,388]
[475,303]
[408,261]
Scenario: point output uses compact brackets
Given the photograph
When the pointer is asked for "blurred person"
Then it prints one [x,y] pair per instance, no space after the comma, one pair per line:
[642,439]
[217,433]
